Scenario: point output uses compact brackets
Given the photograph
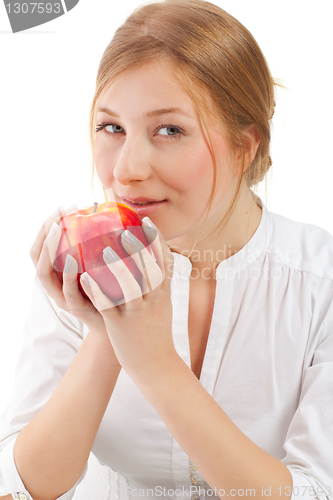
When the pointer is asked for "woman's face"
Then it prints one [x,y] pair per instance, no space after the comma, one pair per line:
[150,144]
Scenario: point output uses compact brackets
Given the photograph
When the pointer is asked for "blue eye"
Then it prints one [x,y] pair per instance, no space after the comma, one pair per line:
[113,129]
[105,126]
[175,130]
[117,128]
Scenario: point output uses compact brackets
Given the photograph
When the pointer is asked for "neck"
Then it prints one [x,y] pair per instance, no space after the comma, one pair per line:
[211,249]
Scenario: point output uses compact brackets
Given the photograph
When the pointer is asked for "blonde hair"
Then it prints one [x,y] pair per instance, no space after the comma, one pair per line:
[218,63]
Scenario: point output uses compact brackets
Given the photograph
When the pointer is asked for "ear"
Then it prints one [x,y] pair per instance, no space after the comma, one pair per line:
[251,141]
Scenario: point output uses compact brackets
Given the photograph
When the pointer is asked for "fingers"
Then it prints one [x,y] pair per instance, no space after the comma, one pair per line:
[36,248]
[70,288]
[152,236]
[44,268]
[43,254]
[130,287]
[50,244]
[65,292]
[95,294]
[132,293]
[162,252]
[153,275]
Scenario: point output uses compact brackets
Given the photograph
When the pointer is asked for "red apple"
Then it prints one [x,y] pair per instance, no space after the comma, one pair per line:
[86,232]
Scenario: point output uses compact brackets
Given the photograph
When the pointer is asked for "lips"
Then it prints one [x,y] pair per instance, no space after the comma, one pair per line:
[141,200]
[145,209]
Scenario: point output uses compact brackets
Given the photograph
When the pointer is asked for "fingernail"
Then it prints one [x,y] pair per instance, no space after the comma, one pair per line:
[53,230]
[71,208]
[68,263]
[148,222]
[85,279]
[58,211]
[110,254]
[132,241]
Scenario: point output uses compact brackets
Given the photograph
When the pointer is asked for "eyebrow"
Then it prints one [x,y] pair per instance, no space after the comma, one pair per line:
[150,114]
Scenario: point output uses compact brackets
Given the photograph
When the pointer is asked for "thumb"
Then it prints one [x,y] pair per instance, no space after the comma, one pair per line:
[162,252]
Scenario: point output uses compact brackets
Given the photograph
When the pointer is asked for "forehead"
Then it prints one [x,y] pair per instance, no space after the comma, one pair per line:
[149,86]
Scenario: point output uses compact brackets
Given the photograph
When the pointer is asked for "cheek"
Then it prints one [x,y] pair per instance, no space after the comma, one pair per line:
[224,165]
[194,170]
[187,169]
[103,163]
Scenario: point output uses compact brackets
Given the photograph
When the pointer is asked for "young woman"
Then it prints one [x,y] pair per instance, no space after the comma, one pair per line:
[214,378]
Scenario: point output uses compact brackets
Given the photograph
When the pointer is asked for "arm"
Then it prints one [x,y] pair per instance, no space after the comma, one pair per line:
[226,458]
[309,442]
[63,385]
[51,451]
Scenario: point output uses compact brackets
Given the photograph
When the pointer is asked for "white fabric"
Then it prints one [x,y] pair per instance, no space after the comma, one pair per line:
[13,480]
[268,364]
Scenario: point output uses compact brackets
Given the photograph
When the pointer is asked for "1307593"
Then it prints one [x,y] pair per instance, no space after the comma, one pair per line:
[33,7]
[304,491]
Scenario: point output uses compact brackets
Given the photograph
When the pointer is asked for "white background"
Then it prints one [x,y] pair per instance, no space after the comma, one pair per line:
[46,87]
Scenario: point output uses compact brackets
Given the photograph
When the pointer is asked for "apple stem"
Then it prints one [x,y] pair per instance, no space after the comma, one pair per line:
[95,205]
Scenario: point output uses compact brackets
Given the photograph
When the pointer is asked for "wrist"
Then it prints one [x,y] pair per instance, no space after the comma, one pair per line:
[100,348]
[150,373]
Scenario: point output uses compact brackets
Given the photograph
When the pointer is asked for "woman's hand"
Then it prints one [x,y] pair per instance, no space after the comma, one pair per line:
[140,328]
[66,295]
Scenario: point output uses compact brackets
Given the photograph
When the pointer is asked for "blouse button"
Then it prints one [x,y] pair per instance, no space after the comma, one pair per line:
[195,497]
[23,496]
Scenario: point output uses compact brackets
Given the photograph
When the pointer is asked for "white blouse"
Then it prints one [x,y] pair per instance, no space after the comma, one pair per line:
[268,364]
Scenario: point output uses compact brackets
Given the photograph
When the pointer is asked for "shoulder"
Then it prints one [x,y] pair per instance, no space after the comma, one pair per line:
[301,246]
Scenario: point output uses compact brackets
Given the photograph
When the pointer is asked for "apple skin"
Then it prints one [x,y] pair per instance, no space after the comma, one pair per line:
[87,232]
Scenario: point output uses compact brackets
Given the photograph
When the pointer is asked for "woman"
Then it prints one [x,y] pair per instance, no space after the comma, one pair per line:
[227,355]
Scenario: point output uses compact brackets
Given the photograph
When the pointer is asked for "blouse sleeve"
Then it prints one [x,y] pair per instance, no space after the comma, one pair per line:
[309,440]
[52,338]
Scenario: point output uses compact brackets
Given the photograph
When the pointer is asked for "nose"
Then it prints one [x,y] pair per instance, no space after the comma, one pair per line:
[133,161]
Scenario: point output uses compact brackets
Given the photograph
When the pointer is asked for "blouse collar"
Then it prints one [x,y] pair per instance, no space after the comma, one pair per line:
[256,246]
